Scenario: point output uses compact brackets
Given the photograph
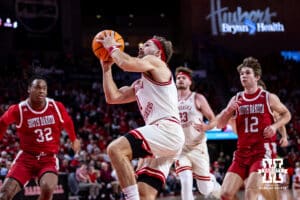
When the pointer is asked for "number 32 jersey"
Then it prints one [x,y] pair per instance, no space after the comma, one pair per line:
[39,131]
[252,117]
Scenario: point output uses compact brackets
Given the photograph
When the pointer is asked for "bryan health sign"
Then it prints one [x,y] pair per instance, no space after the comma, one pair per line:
[239,20]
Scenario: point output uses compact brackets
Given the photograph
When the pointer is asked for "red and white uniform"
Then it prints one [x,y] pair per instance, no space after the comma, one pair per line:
[252,117]
[156,100]
[296,180]
[162,135]
[189,115]
[194,155]
[39,134]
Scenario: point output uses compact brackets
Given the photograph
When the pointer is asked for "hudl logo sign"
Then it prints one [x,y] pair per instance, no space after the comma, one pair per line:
[272,171]
[241,21]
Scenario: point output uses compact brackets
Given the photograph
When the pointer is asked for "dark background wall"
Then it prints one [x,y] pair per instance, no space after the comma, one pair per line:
[69,26]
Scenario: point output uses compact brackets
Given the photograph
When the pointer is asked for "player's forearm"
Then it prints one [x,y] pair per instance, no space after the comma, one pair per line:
[123,60]
[223,118]
[69,127]
[129,63]
[111,91]
[282,120]
[212,124]
[282,131]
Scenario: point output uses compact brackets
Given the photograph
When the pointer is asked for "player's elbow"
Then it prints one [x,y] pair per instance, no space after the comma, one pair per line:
[111,99]
[289,116]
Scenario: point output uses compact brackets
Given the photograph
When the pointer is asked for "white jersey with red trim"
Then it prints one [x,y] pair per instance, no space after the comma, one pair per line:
[189,115]
[156,100]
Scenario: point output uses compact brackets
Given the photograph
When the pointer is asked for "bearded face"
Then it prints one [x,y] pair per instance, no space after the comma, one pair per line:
[183,82]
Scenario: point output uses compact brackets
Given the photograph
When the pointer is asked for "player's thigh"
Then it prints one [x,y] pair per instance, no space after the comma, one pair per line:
[200,162]
[164,138]
[254,181]
[22,168]
[231,183]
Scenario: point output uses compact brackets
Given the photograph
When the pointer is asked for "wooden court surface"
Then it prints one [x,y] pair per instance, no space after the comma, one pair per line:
[284,195]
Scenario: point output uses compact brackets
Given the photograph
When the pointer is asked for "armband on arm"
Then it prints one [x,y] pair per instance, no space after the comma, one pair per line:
[112,49]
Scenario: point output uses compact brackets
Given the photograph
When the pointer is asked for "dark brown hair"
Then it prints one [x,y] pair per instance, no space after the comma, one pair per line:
[184,69]
[251,63]
[167,47]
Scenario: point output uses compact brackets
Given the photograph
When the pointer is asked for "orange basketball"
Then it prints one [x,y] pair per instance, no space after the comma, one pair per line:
[98,48]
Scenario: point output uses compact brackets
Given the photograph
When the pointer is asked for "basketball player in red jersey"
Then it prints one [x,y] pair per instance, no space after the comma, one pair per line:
[250,112]
[160,141]
[39,121]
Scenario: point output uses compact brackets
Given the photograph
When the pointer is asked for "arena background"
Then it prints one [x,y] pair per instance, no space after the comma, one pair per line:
[54,37]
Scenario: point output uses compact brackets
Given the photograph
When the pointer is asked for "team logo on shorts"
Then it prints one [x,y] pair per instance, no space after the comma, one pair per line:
[272,171]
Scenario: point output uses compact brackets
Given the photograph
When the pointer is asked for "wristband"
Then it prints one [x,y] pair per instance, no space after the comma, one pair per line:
[112,48]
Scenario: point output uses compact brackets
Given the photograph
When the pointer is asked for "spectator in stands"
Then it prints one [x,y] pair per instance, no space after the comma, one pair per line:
[93,180]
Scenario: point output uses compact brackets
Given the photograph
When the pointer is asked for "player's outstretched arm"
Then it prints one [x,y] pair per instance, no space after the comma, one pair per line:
[113,94]
[10,116]
[226,114]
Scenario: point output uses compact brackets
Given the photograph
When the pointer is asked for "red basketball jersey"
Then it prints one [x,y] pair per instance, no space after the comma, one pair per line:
[39,131]
[252,117]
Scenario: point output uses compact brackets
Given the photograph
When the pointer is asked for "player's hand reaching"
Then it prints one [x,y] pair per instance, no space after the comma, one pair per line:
[283,142]
[201,126]
[76,146]
[232,106]
[106,65]
[108,40]
[269,131]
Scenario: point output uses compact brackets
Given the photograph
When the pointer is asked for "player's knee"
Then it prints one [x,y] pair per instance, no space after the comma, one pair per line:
[145,196]
[47,189]
[226,195]
[113,150]
[205,187]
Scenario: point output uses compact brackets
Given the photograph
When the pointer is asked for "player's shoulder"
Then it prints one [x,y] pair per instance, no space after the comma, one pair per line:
[55,102]
[13,107]
[238,95]
[198,96]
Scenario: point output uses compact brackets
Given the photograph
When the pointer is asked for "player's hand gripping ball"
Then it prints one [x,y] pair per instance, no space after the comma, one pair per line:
[99,49]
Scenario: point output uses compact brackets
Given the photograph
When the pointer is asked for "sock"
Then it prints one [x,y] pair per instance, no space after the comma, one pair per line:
[217,187]
[131,192]
[186,180]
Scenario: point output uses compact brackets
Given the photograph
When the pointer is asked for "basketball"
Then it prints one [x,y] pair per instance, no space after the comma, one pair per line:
[98,49]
